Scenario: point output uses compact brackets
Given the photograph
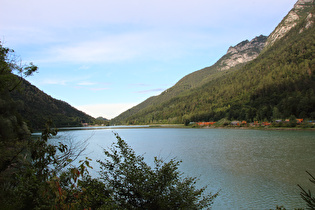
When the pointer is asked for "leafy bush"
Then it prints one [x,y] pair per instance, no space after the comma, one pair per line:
[135,185]
[307,195]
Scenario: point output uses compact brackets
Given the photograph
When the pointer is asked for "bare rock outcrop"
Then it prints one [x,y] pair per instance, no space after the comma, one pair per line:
[291,20]
[242,53]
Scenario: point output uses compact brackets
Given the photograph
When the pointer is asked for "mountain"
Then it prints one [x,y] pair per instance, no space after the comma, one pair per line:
[242,53]
[38,108]
[260,79]
[235,57]
[301,9]
[101,121]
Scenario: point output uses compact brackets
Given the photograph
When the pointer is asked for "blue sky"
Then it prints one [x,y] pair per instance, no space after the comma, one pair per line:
[104,57]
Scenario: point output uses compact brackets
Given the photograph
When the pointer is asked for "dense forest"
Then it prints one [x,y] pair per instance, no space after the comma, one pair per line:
[278,84]
[38,108]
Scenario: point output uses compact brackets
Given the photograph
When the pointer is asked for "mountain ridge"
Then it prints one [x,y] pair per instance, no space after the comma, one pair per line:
[39,107]
[235,57]
[202,101]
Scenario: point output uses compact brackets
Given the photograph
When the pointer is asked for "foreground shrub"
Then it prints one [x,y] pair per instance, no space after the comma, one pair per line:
[135,185]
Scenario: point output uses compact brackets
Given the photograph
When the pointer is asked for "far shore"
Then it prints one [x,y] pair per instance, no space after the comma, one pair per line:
[229,127]
[180,126]
[222,127]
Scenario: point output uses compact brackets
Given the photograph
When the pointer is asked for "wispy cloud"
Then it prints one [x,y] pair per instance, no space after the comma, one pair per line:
[64,13]
[105,110]
[151,90]
[140,85]
[54,82]
[93,86]
[99,88]
[84,67]
[87,83]
[79,80]
[110,49]
[156,44]
[115,31]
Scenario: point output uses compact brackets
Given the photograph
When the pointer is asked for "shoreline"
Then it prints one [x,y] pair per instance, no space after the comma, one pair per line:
[227,127]
[180,126]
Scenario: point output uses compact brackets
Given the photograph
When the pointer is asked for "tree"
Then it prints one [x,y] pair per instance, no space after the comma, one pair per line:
[307,195]
[292,121]
[276,114]
[135,185]
[37,181]
[9,64]
[13,130]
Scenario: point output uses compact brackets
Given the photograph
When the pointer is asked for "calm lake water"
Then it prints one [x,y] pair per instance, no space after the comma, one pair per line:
[252,169]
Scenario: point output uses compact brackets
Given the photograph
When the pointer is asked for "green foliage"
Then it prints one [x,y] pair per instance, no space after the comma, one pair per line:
[9,64]
[292,122]
[40,108]
[307,195]
[101,121]
[36,107]
[135,185]
[33,183]
[13,131]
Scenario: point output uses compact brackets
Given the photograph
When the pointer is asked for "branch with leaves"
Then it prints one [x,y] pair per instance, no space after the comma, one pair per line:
[307,195]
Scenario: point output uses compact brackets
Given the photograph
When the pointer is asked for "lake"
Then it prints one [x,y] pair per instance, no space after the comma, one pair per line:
[252,169]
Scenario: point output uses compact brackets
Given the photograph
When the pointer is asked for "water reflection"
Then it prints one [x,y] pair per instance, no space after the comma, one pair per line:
[254,169]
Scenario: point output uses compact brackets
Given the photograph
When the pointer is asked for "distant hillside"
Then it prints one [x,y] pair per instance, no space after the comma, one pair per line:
[275,81]
[234,59]
[39,107]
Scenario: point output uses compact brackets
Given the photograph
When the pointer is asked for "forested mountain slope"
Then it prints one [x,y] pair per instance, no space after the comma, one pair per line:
[234,59]
[279,83]
[38,108]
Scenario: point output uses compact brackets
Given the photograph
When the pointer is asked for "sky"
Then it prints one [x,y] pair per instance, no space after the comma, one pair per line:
[104,57]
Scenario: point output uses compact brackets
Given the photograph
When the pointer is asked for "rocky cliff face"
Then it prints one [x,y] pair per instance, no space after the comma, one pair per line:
[249,50]
[242,53]
[300,4]
[309,22]
[300,9]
